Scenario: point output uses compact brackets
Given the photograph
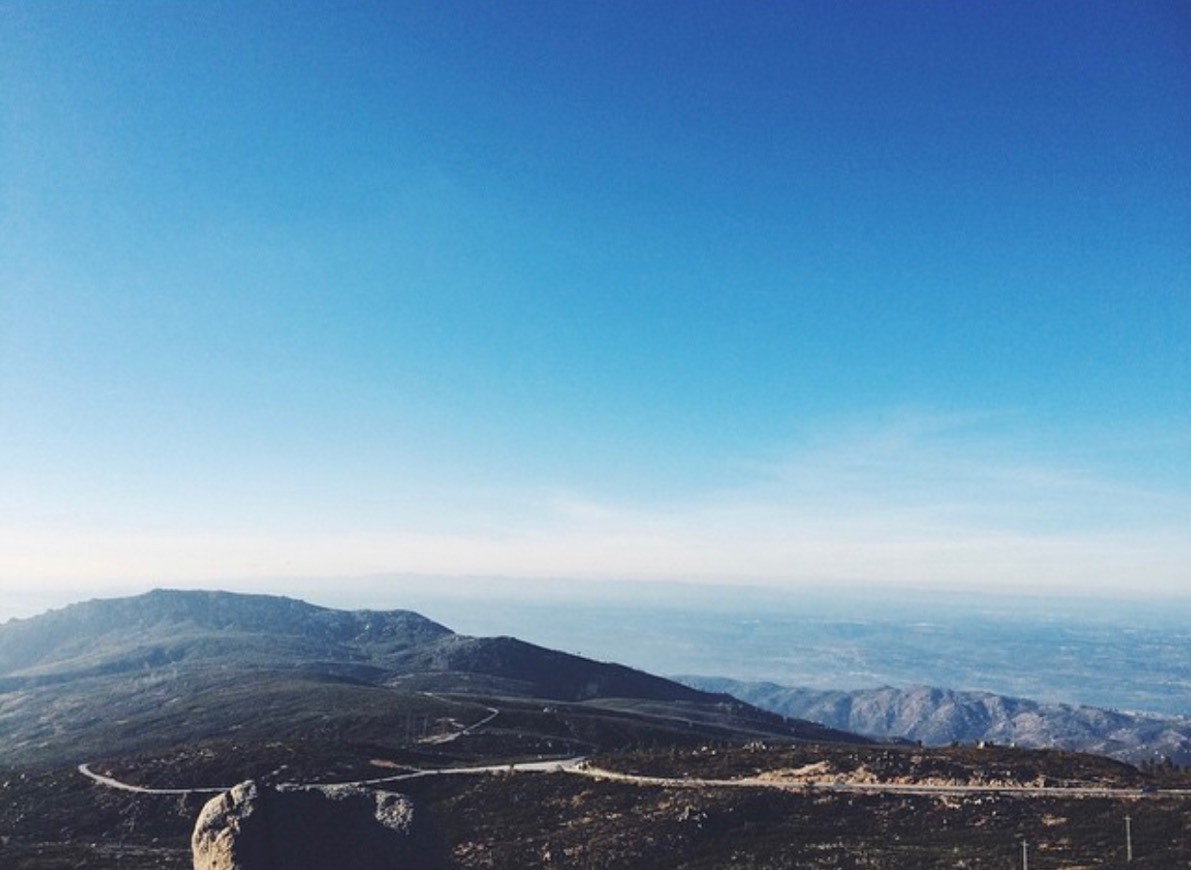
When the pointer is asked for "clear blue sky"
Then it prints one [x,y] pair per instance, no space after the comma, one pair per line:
[791,293]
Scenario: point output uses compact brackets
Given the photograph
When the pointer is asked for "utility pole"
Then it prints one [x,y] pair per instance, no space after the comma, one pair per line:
[1128,840]
[1025,855]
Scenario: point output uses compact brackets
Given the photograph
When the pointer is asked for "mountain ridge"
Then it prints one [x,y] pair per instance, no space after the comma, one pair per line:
[938,716]
[54,638]
[177,666]
[166,627]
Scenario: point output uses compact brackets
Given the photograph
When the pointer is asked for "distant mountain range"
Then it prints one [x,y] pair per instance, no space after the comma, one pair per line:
[166,627]
[941,716]
[181,665]
[169,666]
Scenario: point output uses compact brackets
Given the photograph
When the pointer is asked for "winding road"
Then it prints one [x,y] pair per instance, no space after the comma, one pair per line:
[111,782]
[546,766]
[455,735]
[578,766]
[492,712]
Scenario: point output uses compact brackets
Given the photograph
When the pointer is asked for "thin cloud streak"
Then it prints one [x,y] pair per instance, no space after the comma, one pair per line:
[938,504]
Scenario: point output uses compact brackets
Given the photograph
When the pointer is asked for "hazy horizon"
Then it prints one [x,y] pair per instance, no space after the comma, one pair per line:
[1116,653]
[438,593]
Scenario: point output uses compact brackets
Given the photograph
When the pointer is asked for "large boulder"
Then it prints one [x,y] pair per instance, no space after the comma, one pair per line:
[258,827]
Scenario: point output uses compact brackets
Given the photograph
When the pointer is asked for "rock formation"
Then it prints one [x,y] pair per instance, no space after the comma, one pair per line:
[258,827]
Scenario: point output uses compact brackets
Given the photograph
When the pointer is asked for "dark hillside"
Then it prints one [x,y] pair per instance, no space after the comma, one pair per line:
[545,673]
[172,668]
[180,629]
[166,626]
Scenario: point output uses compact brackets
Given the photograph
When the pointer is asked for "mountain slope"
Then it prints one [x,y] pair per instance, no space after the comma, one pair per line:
[940,716]
[169,626]
[539,672]
[174,668]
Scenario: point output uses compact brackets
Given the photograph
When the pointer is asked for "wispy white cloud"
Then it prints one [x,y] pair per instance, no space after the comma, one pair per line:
[921,499]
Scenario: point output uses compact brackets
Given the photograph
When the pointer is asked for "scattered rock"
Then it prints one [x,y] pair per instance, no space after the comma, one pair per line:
[257,827]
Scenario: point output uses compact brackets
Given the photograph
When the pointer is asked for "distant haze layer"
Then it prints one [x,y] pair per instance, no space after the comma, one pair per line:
[1114,653]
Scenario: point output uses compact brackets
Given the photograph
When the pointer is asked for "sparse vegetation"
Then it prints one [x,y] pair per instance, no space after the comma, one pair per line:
[210,719]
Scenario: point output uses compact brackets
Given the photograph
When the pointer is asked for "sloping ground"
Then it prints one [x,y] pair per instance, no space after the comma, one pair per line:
[168,626]
[169,630]
[58,819]
[170,668]
[938,717]
[545,673]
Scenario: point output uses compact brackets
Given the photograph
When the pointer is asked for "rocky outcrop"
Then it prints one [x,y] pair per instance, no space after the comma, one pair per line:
[257,827]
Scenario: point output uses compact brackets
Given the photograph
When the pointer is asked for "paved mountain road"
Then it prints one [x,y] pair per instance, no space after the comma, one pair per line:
[111,782]
[545,766]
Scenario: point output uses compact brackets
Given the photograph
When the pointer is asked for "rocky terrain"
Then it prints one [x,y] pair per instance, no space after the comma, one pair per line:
[123,719]
[725,804]
[938,717]
[258,827]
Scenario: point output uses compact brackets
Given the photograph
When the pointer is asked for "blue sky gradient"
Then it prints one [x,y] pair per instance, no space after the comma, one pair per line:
[784,293]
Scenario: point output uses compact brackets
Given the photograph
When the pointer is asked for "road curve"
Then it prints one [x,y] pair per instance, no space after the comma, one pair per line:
[111,782]
[455,735]
[549,765]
